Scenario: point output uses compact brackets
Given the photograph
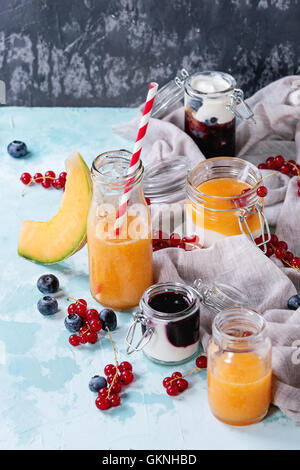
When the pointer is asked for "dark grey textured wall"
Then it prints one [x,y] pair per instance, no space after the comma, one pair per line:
[104,52]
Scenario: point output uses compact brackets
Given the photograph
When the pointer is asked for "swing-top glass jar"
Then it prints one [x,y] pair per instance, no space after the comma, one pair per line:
[120,264]
[222,201]
[239,371]
[169,318]
[212,102]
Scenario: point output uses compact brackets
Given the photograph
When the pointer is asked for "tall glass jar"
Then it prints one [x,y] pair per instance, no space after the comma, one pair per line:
[120,265]
[239,372]
[222,201]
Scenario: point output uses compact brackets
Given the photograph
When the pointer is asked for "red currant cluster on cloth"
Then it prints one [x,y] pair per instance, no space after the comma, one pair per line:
[278,163]
[161,240]
[87,323]
[279,248]
[177,383]
[116,376]
[48,180]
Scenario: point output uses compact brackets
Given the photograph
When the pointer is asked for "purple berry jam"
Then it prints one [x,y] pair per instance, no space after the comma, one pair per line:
[213,139]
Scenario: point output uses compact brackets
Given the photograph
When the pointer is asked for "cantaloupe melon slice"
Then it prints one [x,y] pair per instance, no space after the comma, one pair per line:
[63,235]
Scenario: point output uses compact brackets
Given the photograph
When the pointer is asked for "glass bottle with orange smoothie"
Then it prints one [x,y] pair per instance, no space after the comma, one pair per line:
[222,200]
[120,265]
[239,372]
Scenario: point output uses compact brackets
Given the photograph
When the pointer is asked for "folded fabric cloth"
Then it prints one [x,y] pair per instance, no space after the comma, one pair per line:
[236,260]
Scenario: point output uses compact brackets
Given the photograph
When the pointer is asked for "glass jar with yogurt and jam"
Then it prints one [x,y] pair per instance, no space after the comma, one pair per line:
[222,201]
[120,267]
[169,319]
[212,103]
[239,371]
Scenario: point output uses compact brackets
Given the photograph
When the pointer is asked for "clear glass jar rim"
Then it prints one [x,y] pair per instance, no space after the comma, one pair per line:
[190,90]
[189,292]
[119,180]
[223,198]
[237,312]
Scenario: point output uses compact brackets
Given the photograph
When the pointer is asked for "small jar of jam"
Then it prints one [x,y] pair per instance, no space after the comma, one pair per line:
[222,201]
[239,372]
[169,317]
[212,103]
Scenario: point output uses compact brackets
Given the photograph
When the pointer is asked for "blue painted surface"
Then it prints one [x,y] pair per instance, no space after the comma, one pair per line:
[45,402]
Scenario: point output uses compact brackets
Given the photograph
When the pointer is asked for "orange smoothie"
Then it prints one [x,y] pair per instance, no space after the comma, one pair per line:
[120,269]
[217,216]
[239,387]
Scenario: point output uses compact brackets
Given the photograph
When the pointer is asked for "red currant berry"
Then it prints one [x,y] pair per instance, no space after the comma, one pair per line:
[274,239]
[92,337]
[181,245]
[262,166]
[115,400]
[96,325]
[173,390]
[246,334]
[63,176]
[176,375]
[111,377]
[270,163]
[74,340]
[103,392]
[147,199]
[125,366]
[110,369]
[116,387]
[201,362]
[282,244]
[298,183]
[81,302]
[288,256]
[191,239]
[25,178]
[174,239]
[83,338]
[56,184]
[50,174]
[126,377]
[38,178]
[269,251]
[182,384]
[92,314]
[72,309]
[166,382]
[83,330]
[262,191]
[280,253]
[81,310]
[285,169]
[46,183]
[296,262]
[279,161]
[102,403]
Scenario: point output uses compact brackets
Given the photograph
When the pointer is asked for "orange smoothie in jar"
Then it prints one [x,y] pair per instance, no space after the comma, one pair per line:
[120,269]
[239,388]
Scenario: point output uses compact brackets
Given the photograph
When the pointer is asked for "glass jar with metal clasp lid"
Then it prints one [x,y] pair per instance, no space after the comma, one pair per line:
[169,318]
[222,201]
[212,102]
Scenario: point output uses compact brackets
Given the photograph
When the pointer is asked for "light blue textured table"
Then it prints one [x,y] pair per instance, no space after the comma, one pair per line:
[45,402]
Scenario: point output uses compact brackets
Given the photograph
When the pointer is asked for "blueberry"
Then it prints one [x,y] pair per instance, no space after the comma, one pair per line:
[196,104]
[108,318]
[96,383]
[294,302]
[48,284]
[211,121]
[17,149]
[73,322]
[47,305]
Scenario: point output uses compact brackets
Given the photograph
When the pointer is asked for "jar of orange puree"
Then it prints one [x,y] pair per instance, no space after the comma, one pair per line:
[239,370]
[222,201]
[120,265]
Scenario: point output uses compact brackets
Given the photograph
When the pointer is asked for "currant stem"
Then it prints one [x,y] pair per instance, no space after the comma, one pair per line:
[185,375]
[263,178]
[26,186]
[76,300]
[116,361]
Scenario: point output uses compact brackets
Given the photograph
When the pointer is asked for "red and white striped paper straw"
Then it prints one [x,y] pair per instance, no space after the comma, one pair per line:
[136,156]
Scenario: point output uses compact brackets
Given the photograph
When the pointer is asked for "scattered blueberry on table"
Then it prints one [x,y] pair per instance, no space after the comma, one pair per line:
[73,322]
[96,383]
[17,149]
[294,302]
[48,284]
[47,305]
[108,318]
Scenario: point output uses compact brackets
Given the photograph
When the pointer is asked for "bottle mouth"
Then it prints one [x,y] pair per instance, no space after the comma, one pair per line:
[229,84]
[113,168]
[187,292]
[220,168]
[238,327]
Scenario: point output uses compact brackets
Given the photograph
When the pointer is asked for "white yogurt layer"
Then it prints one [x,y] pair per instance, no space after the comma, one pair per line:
[212,107]
[160,348]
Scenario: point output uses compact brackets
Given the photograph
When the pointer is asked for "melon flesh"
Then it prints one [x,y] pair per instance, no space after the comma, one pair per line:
[63,235]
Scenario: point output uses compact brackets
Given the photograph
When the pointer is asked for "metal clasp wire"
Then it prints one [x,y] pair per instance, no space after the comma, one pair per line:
[138,318]
[180,81]
[237,98]
[263,224]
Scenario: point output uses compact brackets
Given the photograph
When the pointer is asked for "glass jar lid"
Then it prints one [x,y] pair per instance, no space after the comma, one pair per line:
[169,95]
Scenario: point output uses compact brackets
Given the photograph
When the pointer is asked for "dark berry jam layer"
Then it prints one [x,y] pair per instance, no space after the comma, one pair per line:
[169,302]
[213,139]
